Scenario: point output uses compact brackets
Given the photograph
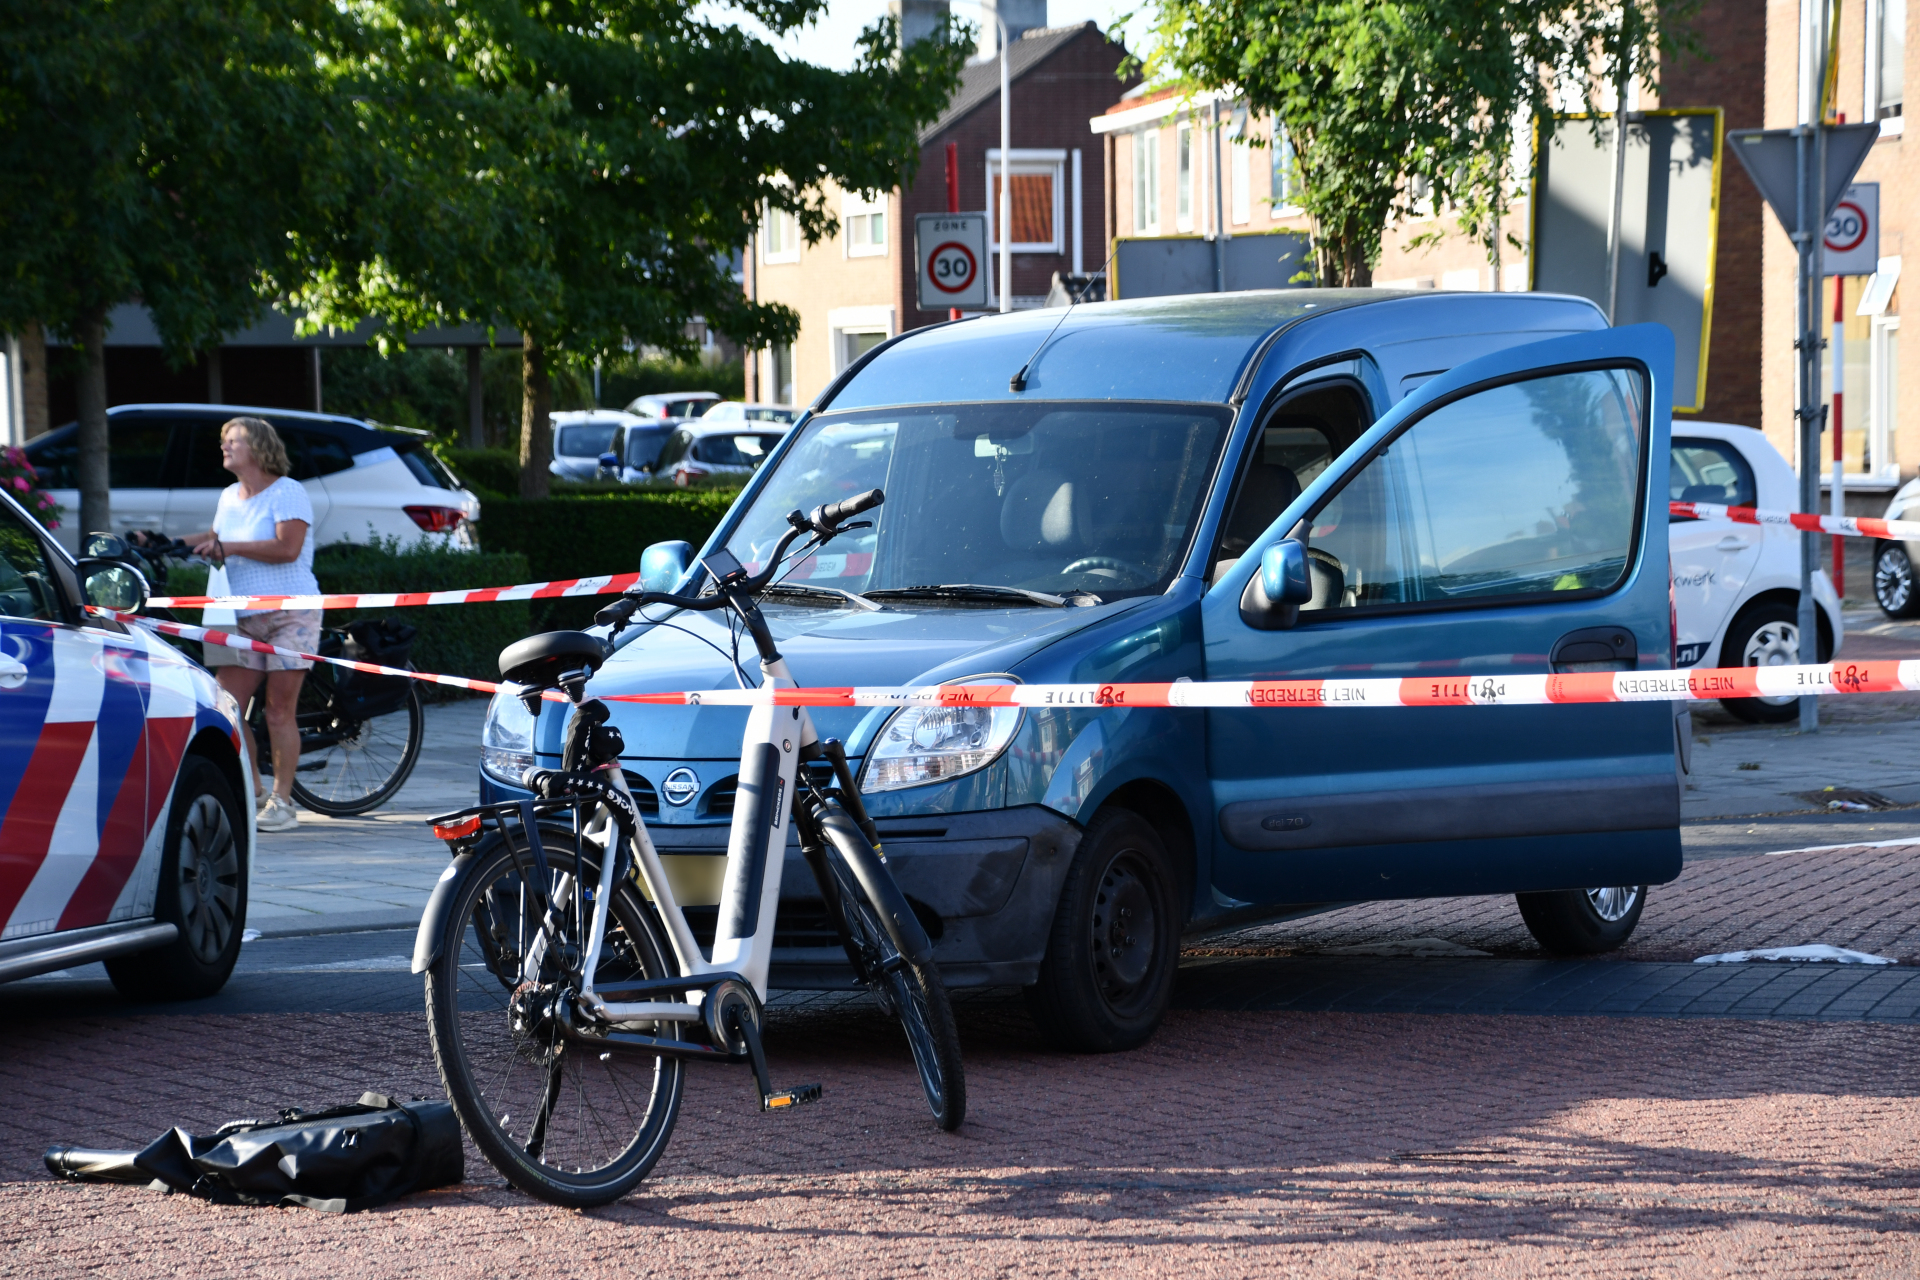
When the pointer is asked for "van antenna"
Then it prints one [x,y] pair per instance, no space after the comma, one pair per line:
[1019,380]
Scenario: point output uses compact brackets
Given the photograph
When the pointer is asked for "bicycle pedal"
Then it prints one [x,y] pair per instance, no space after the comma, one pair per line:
[791,1098]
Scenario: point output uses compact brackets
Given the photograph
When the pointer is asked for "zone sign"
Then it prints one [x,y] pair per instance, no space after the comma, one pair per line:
[1852,240]
[951,249]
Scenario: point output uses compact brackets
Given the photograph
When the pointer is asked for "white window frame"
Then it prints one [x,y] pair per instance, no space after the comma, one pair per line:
[1185,175]
[1030,161]
[1146,182]
[854,204]
[1282,163]
[1240,184]
[1882,400]
[790,251]
[843,322]
[1890,126]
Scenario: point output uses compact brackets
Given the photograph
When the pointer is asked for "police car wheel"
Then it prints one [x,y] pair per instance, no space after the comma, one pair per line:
[1893,585]
[202,892]
[1108,974]
[1765,635]
[1583,922]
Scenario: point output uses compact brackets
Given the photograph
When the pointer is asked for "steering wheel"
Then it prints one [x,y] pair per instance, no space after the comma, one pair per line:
[1086,563]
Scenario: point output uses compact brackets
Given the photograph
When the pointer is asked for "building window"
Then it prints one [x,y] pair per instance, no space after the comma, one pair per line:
[1886,63]
[1183,194]
[1146,183]
[1284,183]
[1868,415]
[863,223]
[1242,194]
[780,371]
[1036,186]
[780,236]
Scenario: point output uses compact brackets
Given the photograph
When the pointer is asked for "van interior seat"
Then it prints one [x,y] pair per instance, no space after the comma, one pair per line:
[1044,511]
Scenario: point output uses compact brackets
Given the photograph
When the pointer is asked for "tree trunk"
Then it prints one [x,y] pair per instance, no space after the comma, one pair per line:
[536,432]
[96,503]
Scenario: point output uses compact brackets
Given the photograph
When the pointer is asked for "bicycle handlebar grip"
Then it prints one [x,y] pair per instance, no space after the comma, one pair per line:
[834,512]
[617,613]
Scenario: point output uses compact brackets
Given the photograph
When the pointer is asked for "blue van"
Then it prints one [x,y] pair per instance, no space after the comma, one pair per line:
[1304,483]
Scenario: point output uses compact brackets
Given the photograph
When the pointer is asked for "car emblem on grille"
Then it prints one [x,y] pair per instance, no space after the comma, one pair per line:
[681,786]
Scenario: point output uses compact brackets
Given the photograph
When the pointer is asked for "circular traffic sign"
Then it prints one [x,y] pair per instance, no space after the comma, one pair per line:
[951,267]
[1846,227]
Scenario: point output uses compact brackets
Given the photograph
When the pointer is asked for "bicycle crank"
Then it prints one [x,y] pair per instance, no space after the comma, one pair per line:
[732,1014]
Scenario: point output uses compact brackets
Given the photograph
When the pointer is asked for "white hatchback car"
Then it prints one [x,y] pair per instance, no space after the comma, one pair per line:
[1736,587]
[163,465]
[1894,562]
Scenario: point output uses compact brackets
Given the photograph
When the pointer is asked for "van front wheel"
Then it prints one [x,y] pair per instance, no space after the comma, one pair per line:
[1107,978]
[1583,922]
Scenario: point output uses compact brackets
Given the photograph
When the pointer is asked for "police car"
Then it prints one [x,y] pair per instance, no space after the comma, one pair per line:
[123,835]
[1736,587]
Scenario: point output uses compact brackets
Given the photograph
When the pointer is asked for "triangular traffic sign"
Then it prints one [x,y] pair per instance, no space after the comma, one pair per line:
[1768,155]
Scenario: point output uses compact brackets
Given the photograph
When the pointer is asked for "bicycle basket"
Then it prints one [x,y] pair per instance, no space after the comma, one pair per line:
[360,695]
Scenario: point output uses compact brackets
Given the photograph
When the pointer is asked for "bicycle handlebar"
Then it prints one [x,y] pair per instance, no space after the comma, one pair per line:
[825,522]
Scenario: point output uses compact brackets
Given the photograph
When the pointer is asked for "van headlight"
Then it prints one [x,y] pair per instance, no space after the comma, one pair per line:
[932,744]
[506,741]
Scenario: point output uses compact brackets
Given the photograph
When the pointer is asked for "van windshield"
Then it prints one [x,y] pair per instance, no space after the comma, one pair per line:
[1058,496]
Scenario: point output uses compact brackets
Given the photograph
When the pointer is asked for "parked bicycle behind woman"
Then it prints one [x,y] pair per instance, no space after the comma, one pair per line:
[260,534]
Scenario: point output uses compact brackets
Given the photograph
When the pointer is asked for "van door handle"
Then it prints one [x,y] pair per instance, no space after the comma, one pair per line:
[1732,542]
[13,672]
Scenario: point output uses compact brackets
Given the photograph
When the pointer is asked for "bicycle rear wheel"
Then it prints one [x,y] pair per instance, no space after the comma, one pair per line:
[911,992]
[565,1123]
[351,766]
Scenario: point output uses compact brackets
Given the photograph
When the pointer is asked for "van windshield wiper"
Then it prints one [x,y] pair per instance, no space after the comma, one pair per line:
[827,593]
[983,591]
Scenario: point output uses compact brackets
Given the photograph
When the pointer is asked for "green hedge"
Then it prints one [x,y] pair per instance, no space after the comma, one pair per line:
[461,640]
[489,470]
[578,535]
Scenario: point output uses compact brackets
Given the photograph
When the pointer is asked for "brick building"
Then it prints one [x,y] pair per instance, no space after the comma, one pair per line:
[856,288]
[1161,150]
[1881,428]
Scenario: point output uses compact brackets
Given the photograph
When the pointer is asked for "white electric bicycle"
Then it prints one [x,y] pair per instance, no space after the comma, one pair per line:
[566,992]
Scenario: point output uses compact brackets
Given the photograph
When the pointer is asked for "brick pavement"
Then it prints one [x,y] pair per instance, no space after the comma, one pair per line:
[1235,1144]
[1860,898]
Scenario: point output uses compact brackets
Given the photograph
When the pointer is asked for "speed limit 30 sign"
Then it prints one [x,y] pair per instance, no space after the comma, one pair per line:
[951,249]
[1851,243]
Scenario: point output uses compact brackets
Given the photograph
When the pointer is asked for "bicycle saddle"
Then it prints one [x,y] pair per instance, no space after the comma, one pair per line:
[539,661]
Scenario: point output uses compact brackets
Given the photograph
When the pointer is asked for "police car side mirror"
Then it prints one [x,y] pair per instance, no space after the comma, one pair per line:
[1274,595]
[112,584]
[663,564]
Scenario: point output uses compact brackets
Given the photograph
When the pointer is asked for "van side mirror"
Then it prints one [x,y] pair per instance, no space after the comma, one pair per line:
[1274,595]
[663,564]
[609,460]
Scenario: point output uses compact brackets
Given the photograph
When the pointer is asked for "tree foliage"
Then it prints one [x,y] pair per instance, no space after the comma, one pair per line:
[1374,94]
[580,170]
[159,150]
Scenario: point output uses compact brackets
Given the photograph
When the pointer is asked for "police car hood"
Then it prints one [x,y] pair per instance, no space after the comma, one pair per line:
[905,643]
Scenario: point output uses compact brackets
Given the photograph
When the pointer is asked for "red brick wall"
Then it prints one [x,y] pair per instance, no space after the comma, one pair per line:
[1735,79]
[1051,105]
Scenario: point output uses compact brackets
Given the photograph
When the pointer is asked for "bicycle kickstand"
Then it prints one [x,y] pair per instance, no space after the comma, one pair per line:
[749,1030]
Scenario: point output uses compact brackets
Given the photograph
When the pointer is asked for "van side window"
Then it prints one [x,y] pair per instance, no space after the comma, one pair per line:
[1519,490]
[1708,471]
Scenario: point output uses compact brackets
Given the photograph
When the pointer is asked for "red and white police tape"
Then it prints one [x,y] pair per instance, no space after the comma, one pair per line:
[1847,526]
[614,584]
[1413,691]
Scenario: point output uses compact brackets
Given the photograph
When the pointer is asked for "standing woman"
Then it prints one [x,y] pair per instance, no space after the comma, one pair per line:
[260,534]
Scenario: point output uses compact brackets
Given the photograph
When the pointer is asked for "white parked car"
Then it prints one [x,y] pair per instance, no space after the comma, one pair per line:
[1893,562]
[163,465]
[736,411]
[583,438]
[1736,587]
[678,405]
[709,448]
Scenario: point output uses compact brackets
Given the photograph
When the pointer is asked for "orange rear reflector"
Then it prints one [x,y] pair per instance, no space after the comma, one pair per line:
[458,830]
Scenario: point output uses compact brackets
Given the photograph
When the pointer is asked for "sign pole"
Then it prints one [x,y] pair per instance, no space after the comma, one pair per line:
[953,198]
[1838,500]
[1810,162]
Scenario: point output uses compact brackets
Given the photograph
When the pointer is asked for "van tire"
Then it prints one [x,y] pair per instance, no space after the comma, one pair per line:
[1759,624]
[1114,948]
[202,892]
[1582,922]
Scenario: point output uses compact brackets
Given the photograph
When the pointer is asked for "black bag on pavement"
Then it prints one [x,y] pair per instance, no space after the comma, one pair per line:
[337,1160]
[359,695]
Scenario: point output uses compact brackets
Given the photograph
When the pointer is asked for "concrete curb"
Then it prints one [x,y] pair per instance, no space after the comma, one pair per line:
[303,926]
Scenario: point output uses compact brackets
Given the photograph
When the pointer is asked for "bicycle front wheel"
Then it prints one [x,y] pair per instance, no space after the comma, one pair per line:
[911,992]
[565,1122]
[352,766]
